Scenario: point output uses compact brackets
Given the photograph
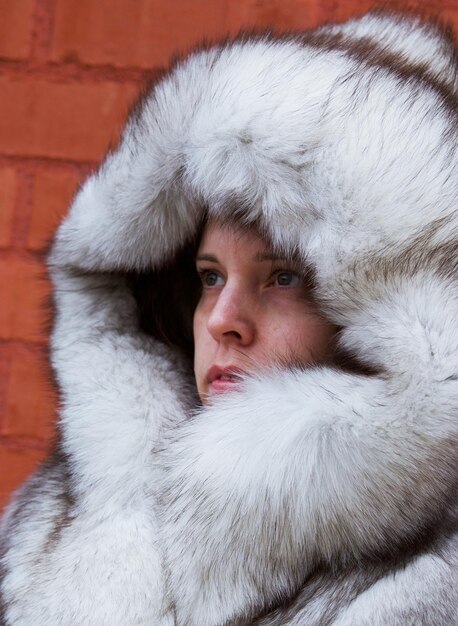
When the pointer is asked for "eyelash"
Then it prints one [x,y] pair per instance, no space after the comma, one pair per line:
[290,273]
[204,273]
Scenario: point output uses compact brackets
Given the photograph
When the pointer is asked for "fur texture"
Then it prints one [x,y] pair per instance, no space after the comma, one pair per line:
[317,496]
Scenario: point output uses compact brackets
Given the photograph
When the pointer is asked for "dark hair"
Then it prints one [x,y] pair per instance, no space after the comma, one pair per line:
[167,298]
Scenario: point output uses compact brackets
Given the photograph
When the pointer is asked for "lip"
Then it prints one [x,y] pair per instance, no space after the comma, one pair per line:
[218,384]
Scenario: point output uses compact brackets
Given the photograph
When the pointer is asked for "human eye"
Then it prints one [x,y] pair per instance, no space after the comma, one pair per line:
[287,278]
[210,278]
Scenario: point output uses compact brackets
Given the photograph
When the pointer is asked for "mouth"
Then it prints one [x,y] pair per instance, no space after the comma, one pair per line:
[222,379]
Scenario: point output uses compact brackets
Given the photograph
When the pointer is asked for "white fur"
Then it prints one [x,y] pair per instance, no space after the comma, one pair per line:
[411,41]
[152,515]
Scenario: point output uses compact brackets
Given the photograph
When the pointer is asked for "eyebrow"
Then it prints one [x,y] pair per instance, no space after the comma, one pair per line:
[258,258]
[207,257]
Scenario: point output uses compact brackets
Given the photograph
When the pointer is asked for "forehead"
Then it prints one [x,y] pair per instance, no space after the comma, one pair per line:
[222,236]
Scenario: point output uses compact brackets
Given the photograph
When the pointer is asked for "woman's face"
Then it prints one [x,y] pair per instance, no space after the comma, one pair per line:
[254,311]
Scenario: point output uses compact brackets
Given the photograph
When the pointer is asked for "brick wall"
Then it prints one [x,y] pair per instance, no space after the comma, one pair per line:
[69,69]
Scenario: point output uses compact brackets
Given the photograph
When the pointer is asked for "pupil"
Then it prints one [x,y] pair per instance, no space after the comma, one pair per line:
[284,278]
[211,279]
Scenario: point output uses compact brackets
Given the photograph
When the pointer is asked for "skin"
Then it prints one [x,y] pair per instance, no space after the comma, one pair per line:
[254,311]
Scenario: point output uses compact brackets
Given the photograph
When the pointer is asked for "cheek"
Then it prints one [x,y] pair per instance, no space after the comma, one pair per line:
[198,326]
[316,338]
[302,337]
[202,345]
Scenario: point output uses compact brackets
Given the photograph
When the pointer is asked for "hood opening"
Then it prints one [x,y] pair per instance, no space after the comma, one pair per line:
[167,297]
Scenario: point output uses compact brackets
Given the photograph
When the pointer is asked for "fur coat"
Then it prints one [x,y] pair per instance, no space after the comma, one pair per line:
[318,496]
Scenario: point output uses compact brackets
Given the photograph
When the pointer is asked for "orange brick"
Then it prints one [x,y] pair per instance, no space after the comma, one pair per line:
[272,14]
[30,405]
[345,9]
[8,194]
[5,363]
[53,191]
[61,120]
[449,13]
[23,292]
[15,466]
[15,28]
[144,33]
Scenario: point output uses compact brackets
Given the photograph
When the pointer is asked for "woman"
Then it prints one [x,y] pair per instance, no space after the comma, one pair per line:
[254,312]
[302,492]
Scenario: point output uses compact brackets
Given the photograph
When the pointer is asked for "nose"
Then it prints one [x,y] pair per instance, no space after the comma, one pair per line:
[231,318]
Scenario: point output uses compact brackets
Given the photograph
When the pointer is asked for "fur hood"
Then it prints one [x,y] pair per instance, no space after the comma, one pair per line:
[314,496]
